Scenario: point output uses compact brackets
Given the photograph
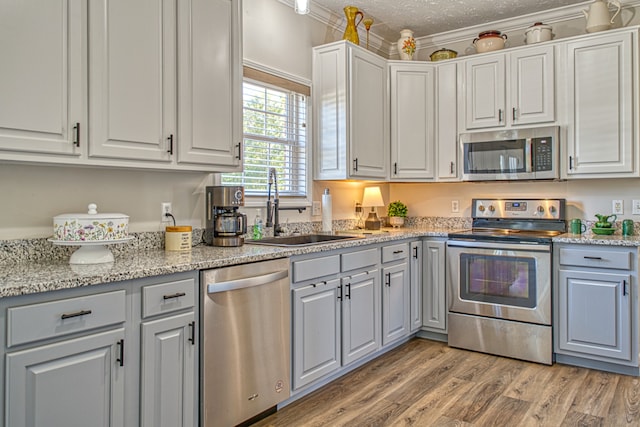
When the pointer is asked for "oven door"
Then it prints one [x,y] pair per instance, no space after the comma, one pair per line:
[510,281]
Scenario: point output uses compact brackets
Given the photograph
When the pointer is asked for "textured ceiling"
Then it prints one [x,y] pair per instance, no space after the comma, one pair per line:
[426,17]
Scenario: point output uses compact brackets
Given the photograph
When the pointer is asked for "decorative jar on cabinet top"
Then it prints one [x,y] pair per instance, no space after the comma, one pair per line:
[406,45]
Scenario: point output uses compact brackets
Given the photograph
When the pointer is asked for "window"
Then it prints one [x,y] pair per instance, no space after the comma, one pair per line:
[274,136]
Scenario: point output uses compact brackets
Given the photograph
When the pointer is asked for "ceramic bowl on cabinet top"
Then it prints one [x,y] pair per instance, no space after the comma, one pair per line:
[90,227]
[537,33]
[488,41]
[443,54]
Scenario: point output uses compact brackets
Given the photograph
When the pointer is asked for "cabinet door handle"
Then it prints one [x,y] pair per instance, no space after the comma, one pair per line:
[176,295]
[76,314]
[355,164]
[625,288]
[348,294]
[192,329]
[170,150]
[415,252]
[500,115]
[76,135]
[395,168]
[340,292]
[387,280]
[239,155]
[597,258]
[514,114]
[451,168]
[120,358]
[570,162]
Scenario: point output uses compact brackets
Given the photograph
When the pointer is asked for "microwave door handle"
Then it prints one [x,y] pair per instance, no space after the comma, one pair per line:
[529,154]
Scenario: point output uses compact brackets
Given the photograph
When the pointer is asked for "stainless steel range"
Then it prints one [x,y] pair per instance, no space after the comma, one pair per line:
[499,278]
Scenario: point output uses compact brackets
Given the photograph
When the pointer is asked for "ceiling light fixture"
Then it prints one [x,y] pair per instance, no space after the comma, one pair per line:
[302,6]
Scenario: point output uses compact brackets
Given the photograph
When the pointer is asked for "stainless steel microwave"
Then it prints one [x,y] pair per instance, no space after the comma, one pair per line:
[511,155]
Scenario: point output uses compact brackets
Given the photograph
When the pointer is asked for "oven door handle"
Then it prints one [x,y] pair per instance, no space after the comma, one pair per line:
[499,245]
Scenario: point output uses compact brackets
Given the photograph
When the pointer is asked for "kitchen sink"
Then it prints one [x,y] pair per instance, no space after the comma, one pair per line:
[301,240]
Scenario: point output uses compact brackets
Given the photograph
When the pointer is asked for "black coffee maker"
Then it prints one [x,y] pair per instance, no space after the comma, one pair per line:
[225,226]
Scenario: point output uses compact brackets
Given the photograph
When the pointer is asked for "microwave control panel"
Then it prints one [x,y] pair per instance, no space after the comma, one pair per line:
[542,154]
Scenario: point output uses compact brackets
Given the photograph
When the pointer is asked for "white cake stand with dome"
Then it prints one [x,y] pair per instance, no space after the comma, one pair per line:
[93,232]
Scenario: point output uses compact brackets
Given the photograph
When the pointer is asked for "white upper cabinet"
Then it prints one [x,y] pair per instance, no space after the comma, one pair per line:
[601,96]
[412,120]
[351,113]
[446,122]
[42,80]
[510,89]
[145,84]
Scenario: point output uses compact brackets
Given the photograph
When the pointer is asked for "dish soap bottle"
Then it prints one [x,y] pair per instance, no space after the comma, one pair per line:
[257,228]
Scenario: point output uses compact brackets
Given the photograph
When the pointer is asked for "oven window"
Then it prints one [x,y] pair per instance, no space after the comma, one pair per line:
[498,279]
[495,157]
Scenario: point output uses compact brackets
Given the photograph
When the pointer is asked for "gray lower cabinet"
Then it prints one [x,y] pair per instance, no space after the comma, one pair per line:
[434,301]
[118,354]
[415,278]
[316,331]
[395,293]
[78,382]
[595,296]
[168,354]
[360,316]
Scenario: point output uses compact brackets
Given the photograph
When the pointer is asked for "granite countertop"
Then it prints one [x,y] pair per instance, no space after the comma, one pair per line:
[588,238]
[44,276]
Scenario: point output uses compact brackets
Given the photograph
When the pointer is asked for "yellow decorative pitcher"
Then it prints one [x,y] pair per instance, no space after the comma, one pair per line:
[351,32]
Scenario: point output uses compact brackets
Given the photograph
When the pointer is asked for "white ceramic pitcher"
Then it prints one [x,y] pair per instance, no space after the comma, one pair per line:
[598,16]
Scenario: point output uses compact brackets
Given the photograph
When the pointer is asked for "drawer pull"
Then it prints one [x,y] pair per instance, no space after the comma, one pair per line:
[398,252]
[597,258]
[176,295]
[192,337]
[76,314]
[120,358]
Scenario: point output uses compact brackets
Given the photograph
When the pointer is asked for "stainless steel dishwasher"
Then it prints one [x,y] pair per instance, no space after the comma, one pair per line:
[245,360]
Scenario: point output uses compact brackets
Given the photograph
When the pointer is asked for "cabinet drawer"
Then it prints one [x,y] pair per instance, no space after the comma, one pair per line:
[58,318]
[395,252]
[618,259]
[316,267]
[359,259]
[167,297]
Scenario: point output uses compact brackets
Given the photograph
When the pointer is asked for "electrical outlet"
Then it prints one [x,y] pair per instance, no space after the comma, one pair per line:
[635,209]
[316,208]
[166,209]
[455,206]
[617,207]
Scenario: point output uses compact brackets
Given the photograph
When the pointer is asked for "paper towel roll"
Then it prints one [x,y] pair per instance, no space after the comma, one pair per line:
[327,220]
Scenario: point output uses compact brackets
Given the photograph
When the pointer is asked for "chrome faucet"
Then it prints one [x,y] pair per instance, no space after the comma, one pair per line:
[273,216]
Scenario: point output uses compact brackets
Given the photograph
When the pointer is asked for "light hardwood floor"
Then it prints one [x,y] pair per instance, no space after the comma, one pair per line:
[427,383]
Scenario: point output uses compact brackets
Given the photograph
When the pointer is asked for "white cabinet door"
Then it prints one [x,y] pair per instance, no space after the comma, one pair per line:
[532,93]
[412,121]
[210,82]
[602,106]
[485,91]
[395,302]
[434,302]
[360,315]
[415,278]
[316,331]
[351,113]
[42,81]
[132,79]
[78,382]
[595,314]
[168,356]
[447,122]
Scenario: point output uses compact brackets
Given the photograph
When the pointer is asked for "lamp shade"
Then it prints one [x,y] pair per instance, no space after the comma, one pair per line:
[301,6]
[372,197]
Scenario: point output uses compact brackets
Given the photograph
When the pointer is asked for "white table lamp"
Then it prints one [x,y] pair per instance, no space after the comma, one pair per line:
[373,198]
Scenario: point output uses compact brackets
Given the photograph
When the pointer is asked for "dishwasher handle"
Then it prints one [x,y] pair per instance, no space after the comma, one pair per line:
[248,282]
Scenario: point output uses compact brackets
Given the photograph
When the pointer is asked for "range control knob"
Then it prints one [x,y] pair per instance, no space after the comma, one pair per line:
[552,209]
[481,208]
[540,209]
[491,208]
